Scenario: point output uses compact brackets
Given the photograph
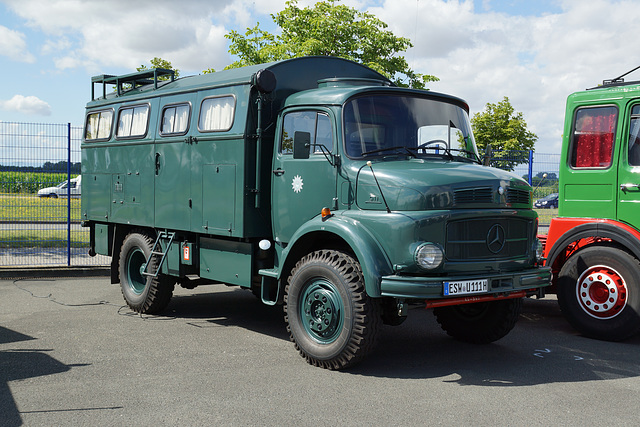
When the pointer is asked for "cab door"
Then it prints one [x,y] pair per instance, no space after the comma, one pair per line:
[629,170]
[302,187]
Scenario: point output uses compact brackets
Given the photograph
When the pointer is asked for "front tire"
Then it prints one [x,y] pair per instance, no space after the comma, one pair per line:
[479,323]
[599,294]
[143,294]
[330,318]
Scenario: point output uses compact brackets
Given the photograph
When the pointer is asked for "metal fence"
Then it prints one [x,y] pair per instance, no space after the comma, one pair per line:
[41,228]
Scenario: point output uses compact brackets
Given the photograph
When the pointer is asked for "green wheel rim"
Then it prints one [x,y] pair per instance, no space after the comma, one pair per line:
[135,266]
[322,311]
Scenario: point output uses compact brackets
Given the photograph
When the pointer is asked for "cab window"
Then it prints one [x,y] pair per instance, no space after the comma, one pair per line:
[634,137]
[98,125]
[318,125]
[594,131]
[133,121]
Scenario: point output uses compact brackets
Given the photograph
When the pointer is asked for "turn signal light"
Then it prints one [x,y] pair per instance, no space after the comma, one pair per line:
[326,213]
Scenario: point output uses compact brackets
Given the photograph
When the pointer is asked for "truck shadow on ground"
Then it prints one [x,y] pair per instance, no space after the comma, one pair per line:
[231,307]
[542,348]
[18,365]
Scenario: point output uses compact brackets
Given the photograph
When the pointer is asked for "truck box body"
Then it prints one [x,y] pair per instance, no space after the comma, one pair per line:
[259,176]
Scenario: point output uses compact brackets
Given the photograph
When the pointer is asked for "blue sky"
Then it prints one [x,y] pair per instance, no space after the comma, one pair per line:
[536,52]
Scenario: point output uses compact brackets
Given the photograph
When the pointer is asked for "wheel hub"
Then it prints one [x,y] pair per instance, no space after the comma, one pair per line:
[602,292]
[321,312]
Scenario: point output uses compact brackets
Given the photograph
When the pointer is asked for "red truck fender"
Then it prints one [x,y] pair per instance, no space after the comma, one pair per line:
[563,232]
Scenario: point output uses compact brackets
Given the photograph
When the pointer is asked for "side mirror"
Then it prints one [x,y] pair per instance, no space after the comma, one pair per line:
[301,145]
[486,160]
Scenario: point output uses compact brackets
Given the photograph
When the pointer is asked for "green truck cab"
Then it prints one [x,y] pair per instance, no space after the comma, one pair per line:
[317,184]
[593,246]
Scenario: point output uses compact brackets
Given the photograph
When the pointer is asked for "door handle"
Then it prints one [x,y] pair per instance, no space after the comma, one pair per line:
[157,163]
[278,172]
[625,187]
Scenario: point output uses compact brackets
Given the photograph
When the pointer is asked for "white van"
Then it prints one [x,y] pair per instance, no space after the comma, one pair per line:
[61,190]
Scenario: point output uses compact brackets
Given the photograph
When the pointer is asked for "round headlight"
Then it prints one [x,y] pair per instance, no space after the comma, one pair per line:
[429,256]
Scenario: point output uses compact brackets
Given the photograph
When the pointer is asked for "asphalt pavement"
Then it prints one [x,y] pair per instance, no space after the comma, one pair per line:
[71,353]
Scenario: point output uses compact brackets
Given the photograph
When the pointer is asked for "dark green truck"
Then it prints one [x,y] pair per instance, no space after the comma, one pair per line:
[315,183]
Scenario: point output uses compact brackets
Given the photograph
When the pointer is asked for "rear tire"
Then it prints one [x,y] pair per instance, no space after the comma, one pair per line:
[331,319]
[599,293]
[143,294]
[479,323]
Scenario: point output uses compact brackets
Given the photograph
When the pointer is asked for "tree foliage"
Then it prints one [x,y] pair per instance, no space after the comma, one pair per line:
[500,126]
[160,63]
[328,29]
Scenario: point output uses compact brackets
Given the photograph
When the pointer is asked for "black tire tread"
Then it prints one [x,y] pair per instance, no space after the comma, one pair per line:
[160,287]
[366,312]
[624,326]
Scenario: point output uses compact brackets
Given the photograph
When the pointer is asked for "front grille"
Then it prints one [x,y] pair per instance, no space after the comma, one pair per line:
[473,195]
[474,239]
[515,195]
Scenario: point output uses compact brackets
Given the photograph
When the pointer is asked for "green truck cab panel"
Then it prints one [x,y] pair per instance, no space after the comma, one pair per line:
[599,174]
[365,246]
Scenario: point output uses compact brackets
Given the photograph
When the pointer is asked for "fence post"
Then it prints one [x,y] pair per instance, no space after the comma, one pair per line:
[68,194]
[530,167]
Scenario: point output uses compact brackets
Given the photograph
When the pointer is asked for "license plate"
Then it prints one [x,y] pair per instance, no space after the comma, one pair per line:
[466,287]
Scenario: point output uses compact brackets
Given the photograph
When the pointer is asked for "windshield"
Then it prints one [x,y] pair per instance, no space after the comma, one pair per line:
[381,125]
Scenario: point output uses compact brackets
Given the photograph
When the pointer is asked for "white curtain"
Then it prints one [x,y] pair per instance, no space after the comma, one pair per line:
[124,124]
[217,113]
[133,121]
[139,123]
[104,125]
[182,119]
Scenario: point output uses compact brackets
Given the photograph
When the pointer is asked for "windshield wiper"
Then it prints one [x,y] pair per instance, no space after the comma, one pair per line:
[436,150]
[472,156]
[397,147]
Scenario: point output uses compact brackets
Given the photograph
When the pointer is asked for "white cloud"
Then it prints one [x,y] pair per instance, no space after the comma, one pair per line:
[124,33]
[26,105]
[479,55]
[13,45]
[537,61]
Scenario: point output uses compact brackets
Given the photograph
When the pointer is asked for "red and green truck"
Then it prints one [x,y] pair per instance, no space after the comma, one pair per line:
[593,246]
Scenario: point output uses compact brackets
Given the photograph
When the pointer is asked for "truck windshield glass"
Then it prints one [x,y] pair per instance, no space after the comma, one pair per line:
[382,125]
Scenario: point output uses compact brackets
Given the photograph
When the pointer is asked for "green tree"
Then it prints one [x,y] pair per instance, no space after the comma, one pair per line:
[160,63]
[500,126]
[328,29]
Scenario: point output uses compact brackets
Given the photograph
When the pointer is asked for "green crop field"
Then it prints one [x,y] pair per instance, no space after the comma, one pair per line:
[29,182]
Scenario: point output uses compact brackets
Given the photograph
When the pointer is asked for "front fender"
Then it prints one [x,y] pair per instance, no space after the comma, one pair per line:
[369,253]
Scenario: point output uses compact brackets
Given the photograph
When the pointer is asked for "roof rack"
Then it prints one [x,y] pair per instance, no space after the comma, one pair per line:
[140,78]
[618,81]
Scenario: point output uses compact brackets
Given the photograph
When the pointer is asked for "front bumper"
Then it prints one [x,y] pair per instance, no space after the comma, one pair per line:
[433,287]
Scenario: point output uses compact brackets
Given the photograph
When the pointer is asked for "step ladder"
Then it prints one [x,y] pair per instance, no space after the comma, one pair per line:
[156,251]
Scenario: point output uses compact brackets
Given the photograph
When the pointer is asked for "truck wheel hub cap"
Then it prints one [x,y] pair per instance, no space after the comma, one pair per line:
[602,292]
[321,311]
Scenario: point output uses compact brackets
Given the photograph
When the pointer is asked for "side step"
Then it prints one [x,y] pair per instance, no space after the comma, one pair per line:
[156,251]
[269,290]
